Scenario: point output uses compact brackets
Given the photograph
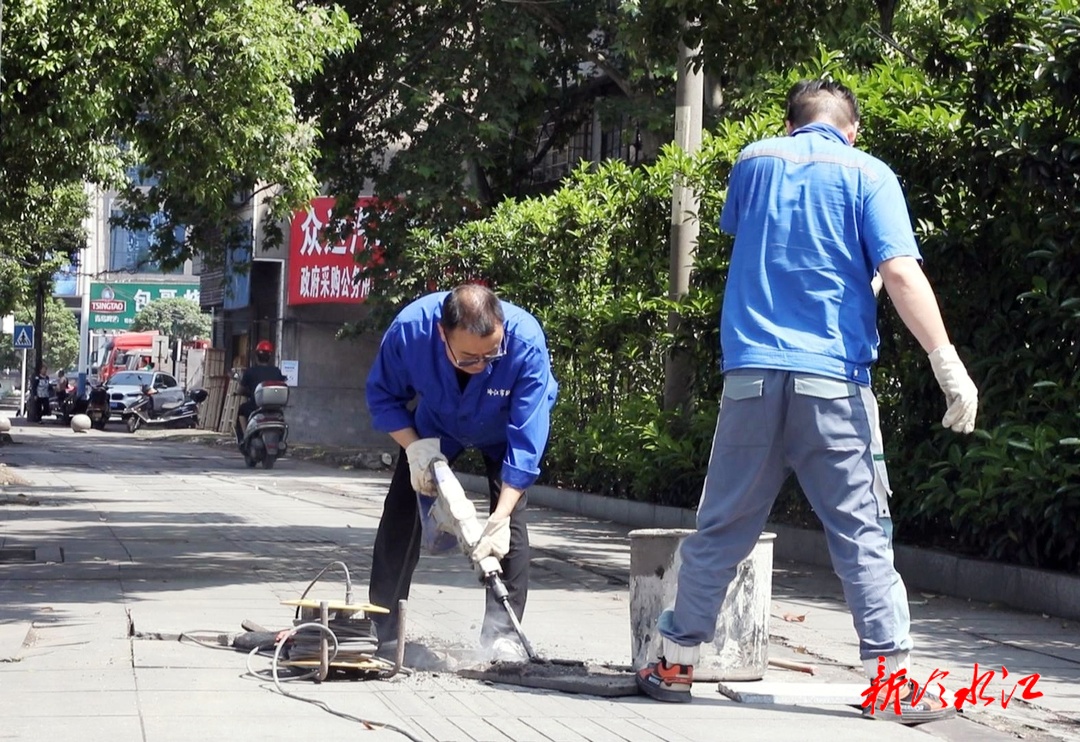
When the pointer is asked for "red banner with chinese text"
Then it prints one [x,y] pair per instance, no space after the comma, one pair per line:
[322,268]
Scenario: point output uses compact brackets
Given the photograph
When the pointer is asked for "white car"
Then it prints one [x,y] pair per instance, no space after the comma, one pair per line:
[125,388]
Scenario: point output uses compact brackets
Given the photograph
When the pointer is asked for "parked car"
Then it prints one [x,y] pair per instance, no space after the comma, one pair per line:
[125,388]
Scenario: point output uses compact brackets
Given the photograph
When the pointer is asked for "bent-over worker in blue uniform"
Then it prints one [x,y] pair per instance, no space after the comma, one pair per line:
[813,219]
[479,370]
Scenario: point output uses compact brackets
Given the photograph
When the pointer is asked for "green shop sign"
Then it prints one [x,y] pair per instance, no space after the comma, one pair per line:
[113,306]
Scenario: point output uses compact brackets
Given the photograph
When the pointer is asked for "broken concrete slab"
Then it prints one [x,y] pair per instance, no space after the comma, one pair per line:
[583,679]
[794,694]
[14,636]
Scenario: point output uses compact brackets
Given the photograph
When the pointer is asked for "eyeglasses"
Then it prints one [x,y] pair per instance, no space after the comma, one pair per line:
[474,361]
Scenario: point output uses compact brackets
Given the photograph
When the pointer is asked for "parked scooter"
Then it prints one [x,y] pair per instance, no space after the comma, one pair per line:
[97,406]
[264,438]
[145,411]
[69,404]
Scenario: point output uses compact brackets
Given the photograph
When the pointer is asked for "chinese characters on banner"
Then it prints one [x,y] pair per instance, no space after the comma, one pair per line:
[884,693]
[323,270]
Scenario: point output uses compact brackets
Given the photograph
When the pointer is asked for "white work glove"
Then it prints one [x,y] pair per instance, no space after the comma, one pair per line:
[495,540]
[420,454]
[960,392]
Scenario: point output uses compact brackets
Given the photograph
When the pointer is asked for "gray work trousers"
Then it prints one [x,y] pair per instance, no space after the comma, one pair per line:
[825,430]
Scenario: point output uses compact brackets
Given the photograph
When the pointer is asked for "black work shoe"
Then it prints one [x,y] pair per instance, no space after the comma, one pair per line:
[928,708]
[664,682]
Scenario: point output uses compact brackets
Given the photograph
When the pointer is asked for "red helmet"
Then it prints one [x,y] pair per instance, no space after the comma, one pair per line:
[264,346]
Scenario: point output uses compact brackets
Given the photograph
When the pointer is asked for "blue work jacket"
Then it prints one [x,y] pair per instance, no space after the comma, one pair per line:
[504,411]
[813,218]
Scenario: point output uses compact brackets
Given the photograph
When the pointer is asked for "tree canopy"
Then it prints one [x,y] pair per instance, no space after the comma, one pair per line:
[179,319]
[462,107]
[36,242]
[60,344]
[184,106]
[974,107]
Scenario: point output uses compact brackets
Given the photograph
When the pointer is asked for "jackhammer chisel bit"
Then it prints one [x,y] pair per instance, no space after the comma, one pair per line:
[456,514]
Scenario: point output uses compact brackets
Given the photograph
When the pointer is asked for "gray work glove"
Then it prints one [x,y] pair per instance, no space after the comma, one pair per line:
[494,541]
[420,454]
[960,393]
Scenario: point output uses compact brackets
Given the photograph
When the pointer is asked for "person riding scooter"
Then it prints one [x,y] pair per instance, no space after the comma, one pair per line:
[263,370]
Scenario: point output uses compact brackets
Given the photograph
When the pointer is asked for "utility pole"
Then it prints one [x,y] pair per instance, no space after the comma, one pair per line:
[689,96]
[39,322]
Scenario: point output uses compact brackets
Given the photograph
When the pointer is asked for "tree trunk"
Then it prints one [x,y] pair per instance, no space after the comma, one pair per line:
[39,324]
[689,93]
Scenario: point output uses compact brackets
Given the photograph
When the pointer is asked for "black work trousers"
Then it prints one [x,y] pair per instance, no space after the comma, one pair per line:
[397,551]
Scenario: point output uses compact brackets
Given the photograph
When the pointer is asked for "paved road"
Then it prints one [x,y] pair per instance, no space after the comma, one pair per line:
[140,539]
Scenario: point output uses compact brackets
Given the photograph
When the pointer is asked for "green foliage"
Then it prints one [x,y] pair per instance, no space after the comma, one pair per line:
[61,348]
[472,96]
[179,319]
[61,343]
[36,243]
[590,261]
[1015,493]
[988,144]
[199,93]
[974,107]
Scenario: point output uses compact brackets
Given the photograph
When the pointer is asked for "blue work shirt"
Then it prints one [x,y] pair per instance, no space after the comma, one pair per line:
[812,217]
[505,407]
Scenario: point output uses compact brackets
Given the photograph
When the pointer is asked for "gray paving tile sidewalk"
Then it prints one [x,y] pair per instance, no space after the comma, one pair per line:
[158,538]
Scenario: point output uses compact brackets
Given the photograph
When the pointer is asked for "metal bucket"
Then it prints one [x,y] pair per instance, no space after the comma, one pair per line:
[740,650]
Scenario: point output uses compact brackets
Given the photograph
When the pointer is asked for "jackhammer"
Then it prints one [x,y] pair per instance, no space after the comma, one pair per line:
[454,513]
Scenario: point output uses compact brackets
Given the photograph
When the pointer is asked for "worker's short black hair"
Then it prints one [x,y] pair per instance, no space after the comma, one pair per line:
[821,100]
[472,308]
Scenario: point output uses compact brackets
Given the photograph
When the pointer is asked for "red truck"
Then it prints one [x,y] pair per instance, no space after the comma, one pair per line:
[119,349]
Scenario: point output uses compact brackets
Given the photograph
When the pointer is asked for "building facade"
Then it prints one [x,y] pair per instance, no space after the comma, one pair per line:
[115,276]
[298,295]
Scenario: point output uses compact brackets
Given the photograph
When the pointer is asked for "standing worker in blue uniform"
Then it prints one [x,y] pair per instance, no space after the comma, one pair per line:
[813,219]
[479,370]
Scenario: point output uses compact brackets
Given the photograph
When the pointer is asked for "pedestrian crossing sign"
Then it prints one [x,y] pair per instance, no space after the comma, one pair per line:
[23,337]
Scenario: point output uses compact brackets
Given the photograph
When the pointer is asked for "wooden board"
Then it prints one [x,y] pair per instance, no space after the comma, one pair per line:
[212,407]
[214,362]
[371,665]
[230,407]
[336,605]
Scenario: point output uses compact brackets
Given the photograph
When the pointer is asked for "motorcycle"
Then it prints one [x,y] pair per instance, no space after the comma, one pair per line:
[146,412]
[264,438]
[97,406]
[68,404]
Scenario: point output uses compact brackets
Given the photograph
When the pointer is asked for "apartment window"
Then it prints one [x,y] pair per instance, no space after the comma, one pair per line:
[130,250]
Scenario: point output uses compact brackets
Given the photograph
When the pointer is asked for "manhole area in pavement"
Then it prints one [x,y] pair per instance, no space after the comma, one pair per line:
[12,556]
[561,675]
[30,554]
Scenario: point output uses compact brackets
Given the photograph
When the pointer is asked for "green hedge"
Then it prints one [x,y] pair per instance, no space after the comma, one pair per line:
[984,137]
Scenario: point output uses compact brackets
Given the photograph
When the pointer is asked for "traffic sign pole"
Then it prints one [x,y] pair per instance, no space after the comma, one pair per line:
[23,339]
[26,386]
